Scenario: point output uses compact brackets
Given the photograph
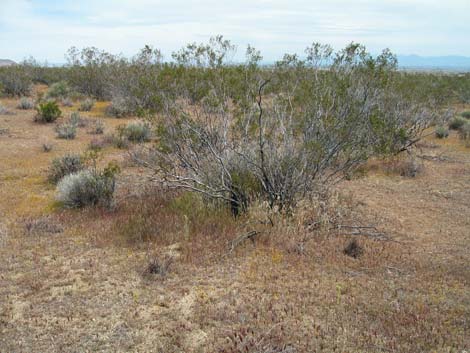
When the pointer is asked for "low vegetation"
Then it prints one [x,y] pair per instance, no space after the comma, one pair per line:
[47,112]
[87,105]
[457,122]
[26,103]
[441,132]
[135,132]
[66,131]
[87,188]
[316,204]
[65,165]
[58,90]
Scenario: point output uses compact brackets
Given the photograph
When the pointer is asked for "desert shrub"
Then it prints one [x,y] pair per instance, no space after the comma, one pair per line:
[353,249]
[96,144]
[86,105]
[410,167]
[159,266]
[16,80]
[118,108]
[117,140]
[135,132]
[66,131]
[283,135]
[25,103]
[87,188]
[46,147]
[5,111]
[42,226]
[96,127]
[65,165]
[67,102]
[88,71]
[466,114]
[47,112]
[457,122]
[77,120]
[464,133]
[441,132]
[58,90]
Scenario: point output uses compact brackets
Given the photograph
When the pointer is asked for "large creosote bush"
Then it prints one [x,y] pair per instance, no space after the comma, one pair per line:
[47,112]
[285,133]
[87,188]
[16,80]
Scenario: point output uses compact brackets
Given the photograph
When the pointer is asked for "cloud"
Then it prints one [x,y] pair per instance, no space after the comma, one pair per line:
[47,28]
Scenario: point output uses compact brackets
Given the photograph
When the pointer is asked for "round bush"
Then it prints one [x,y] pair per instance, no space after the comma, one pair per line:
[58,90]
[457,122]
[48,112]
[466,114]
[441,132]
[87,105]
[136,132]
[68,164]
[85,188]
[25,103]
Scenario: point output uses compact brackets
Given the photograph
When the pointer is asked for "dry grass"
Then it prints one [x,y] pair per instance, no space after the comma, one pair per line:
[155,274]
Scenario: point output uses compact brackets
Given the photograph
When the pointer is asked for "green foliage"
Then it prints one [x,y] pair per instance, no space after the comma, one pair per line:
[58,90]
[457,122]
[16,80]
[47,112]
[62,166]
[441,132]
[118,108]
[281,134]
[135,132]
[466,114]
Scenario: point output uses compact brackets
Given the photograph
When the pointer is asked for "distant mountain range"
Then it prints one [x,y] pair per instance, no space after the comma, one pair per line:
[452,62]
[6,62]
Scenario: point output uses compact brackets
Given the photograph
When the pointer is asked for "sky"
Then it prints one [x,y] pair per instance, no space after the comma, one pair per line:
[45,29]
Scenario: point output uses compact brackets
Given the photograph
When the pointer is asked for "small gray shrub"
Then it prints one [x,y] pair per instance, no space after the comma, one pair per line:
[25,103]
[464,133]
[118,108]
[87,105]
[5,111]
[77,120]
[96,127]
[62,166]
[85,188]
[67,102]
[136,132]
[66,131]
